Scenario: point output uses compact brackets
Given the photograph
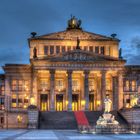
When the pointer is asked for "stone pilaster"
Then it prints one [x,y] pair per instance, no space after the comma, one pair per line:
[103,87]
[69,90]
[115,93]
[120,90]
[35,90]
[86,89]
[138,84]
[52,90]
[7,93]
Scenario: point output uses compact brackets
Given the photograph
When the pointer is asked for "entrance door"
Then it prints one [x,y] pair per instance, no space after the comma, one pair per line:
[43,102]
[75,102]
[59,102]
[91,102]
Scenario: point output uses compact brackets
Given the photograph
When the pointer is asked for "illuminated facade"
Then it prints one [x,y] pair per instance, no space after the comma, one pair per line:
[68,71]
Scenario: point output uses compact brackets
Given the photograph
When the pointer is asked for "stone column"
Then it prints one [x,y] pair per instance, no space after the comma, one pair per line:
[103,88]
[52,90]
[69,90]
[120,90]
[86,90]
[115,93]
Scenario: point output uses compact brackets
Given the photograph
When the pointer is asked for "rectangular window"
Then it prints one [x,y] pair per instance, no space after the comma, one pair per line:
[59,85]
[57,49]
[46,49]
[102,50]
[85,48]
[63,49]
[14,100]
[20,85]
[1,103]
[69,48]
[51,49]
[126,85]
[96,49]
[133,85]
[2,89]
[92,85]
[91,48]
[75,85]
[44,85]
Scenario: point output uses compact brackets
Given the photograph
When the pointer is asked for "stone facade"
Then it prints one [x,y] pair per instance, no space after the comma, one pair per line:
[61,77]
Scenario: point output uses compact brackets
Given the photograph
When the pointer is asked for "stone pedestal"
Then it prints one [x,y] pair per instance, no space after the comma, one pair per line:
[33,115]
[107,124]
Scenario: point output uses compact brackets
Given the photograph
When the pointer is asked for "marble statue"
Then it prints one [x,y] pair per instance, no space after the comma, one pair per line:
[108,104]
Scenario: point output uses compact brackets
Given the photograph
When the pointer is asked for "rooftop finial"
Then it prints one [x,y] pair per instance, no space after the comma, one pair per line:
[74,23]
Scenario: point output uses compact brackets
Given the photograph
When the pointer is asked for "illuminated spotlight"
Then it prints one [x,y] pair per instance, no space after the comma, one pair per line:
[133,132]
[84,131]
[116,132]
[93,132]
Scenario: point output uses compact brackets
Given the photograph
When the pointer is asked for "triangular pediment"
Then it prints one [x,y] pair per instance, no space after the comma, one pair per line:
[80,55]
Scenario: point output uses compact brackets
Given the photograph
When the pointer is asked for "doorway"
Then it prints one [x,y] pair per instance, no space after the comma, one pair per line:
[44,102]
[59,102]
[91,102]
[75,102]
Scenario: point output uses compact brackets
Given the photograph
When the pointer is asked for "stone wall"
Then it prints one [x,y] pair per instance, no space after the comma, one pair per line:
[16,120]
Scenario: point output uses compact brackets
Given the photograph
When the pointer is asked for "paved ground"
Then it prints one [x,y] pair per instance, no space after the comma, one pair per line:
[60,135]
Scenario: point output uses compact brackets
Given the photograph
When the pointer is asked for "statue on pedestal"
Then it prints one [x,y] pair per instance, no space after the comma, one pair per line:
[108,104]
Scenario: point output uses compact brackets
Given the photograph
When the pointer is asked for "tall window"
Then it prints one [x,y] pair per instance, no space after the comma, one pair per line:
[51,49]
[96,49]
[85,48]
[46,49]
[133,85]
[1,103]
[75,85]
[63,49]
[44,85]
[2,89]
[102,50]
[57,49]
[127,85]
[91,48]
[69,48]
[92,85]
[59,84]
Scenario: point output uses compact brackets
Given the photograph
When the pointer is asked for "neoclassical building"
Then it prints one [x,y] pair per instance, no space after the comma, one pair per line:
[70,70]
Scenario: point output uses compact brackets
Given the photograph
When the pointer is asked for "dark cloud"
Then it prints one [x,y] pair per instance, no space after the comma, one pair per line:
[19,18]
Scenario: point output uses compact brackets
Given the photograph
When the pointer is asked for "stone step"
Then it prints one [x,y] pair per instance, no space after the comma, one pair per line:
[57,120]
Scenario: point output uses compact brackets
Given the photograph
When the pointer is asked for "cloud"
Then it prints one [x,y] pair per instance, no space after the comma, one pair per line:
[133,51]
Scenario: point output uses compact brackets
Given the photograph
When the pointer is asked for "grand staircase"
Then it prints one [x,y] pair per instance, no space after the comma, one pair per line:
[71,120]
[57,120]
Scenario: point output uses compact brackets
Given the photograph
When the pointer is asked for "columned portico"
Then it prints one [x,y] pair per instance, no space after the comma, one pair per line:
[69,90]
[52,90]
[86,89]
